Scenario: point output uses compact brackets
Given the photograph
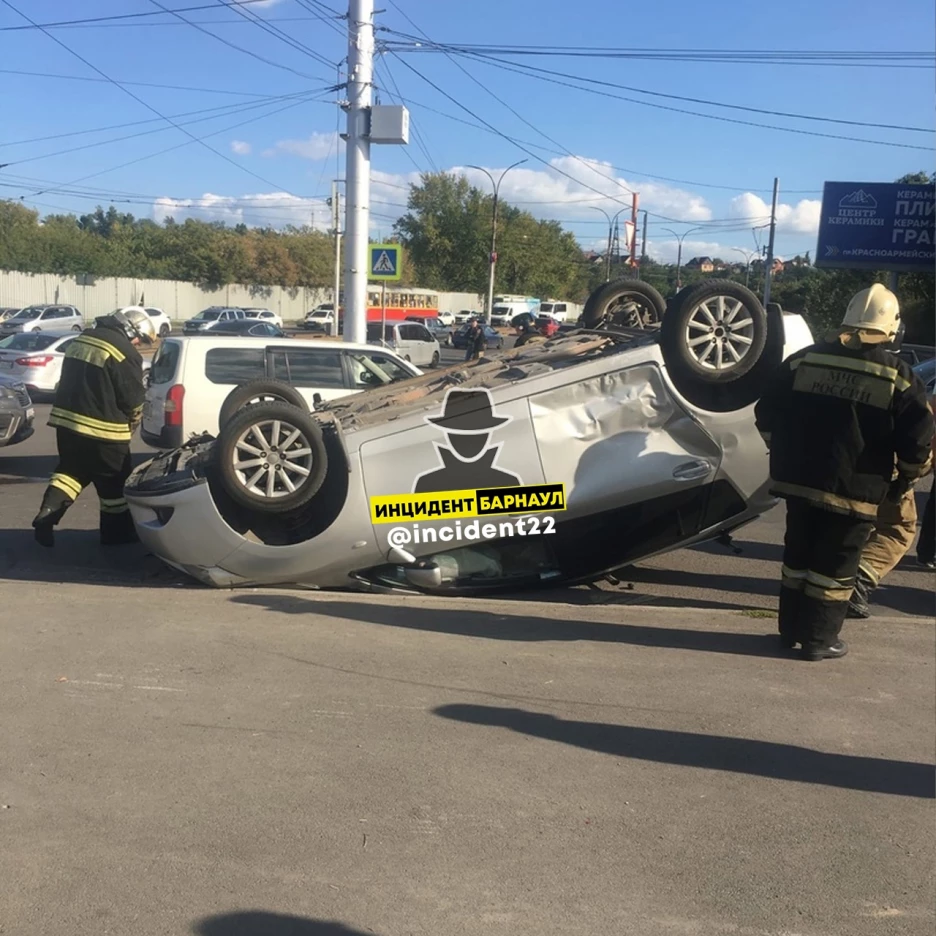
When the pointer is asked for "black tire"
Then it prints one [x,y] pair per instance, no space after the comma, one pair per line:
[76,328]
[263,390]
[625,303]
[163,331]
[714,332]
[261,480]
[436,359]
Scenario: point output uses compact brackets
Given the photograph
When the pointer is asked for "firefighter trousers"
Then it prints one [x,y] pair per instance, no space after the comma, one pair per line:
[891,537]
[926,547]
[106,465]
[820,561]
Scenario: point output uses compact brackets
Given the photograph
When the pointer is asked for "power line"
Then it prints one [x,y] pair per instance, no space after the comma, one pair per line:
[140,100]
[896,59]
[230,109]
[327,17]
[420,142]
[542,75]
[516,114]
[149,120]
[138,84]
[276,32]
[232,45]
[94,20]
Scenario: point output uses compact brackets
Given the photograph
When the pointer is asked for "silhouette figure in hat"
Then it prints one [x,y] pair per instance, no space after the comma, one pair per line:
[467,419]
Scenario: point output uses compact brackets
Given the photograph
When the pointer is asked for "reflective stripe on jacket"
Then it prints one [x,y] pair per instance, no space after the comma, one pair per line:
[838,415]
[100,393]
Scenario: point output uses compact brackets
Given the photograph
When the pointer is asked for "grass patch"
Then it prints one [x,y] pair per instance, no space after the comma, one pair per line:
[758,613]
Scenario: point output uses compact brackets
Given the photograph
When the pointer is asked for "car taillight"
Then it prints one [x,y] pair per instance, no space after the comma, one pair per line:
[39,361]
[173,405]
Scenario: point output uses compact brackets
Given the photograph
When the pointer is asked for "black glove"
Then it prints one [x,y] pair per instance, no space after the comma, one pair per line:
[898,488]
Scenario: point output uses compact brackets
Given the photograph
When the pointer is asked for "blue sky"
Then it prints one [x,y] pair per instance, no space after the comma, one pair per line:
[583,150]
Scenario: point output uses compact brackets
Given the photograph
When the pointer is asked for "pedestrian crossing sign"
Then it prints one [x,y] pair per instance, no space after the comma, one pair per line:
[384,262]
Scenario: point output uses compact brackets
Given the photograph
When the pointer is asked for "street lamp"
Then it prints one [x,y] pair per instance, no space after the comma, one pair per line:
[493,258]
[680,238]
[610,229]
[748,255]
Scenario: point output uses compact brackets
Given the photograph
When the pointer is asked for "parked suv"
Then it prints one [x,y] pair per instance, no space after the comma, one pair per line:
[191,378]
[410,340]
[43,318]
[208,318]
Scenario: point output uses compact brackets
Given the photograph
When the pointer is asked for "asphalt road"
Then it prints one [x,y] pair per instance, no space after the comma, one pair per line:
[270,762]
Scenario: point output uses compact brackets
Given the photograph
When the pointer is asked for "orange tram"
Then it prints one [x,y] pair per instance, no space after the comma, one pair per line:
[401,303]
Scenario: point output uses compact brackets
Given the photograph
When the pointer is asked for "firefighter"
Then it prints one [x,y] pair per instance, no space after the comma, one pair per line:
[477,341]
[98,404]
[836,417]
[525,333]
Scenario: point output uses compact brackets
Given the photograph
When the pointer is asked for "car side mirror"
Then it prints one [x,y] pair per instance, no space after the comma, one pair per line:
[424,574]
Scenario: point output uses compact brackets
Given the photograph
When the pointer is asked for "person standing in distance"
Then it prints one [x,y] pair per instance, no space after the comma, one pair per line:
[837,417]
[98,404]
[477,341]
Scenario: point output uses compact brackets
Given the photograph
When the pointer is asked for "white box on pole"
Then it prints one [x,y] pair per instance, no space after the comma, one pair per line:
[389,123]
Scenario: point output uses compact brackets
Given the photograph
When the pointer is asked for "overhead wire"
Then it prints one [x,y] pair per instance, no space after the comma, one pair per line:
[417,135]
[147,105]
[549,77]
[137,84]
[98,20]
[305,97]
[251,17]
[233,45]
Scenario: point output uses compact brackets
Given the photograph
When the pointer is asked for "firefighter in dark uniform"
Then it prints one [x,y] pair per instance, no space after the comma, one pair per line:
[477,341]
[837,417]
[98,404]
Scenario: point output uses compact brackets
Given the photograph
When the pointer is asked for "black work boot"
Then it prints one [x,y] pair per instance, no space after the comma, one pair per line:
[788,618]
[118,529]
[816,652]
[44,524]
[859,605]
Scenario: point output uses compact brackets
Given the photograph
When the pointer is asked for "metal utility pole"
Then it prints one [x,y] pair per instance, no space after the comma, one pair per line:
[611,223]
[493,255]
[335,202]
[357,172]
[680,238]
[768,268]
[643,239]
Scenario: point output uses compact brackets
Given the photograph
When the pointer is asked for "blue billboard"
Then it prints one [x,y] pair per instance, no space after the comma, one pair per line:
[877,226]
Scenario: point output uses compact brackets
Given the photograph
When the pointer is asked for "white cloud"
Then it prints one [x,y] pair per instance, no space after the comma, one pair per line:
[547,193]
[271,209]
[240,147]
[316,147]
[801,218]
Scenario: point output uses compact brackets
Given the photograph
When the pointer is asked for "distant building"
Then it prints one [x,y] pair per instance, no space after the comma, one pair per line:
[702,264]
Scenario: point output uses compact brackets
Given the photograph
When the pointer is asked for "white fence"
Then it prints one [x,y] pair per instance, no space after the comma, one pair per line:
[96,296]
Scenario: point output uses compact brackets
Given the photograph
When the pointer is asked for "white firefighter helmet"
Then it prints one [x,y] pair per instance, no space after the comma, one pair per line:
[874,313]
[137,324]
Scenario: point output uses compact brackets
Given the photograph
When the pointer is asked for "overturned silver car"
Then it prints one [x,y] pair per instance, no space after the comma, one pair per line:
[557,462]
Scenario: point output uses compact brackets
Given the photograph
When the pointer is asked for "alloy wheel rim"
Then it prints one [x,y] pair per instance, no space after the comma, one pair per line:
[272,458]
[719,333]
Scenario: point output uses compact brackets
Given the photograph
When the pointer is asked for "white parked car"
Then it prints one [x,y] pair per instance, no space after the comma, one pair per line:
[191,380]
[321,318]
[447,318]
[208,318]
[264,315]
[35,358]
[412,341]
[36,318]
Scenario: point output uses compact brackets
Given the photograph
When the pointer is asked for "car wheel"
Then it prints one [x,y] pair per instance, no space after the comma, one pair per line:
[436,358]
[263,390]
[163,331]
[624,303]
[500,345]
[76,328]
[272,458]
[715,332]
